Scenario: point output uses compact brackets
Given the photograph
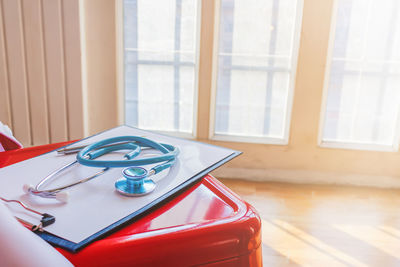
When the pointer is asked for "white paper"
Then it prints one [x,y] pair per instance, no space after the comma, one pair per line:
[94,205]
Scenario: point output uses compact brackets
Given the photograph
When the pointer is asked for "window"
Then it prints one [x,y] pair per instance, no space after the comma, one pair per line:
[160,44]
[346,93]
[257,55]
[362,86]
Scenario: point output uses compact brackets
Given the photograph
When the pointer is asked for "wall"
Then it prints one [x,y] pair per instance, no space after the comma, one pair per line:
[58,68]
[99,66]
[40,70]
[303,160]
[58,81]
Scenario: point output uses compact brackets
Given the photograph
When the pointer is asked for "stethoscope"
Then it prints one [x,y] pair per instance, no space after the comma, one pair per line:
[135,180]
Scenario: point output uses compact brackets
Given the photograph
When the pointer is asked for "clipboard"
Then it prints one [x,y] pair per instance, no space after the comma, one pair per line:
[210,157]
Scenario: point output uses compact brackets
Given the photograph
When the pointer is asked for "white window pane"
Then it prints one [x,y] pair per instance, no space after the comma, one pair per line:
[156,29]
[257,41]
[160,58]
[187,79]
[156,97]
[364,80]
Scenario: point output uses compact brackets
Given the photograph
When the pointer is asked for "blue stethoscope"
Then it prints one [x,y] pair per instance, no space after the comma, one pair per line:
[135,180]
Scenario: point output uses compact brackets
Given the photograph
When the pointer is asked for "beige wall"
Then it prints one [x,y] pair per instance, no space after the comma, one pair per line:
[99,41]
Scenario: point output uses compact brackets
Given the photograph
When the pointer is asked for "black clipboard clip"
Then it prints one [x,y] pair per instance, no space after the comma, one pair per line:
[46,219]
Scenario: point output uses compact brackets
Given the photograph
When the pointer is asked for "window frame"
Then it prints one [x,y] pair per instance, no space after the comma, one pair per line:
[120,67]
[302,159]
[291,90]
[205,94]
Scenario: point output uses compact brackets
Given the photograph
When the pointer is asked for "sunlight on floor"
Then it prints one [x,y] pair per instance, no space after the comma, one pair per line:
[375,237]
[315,225]
[301,247]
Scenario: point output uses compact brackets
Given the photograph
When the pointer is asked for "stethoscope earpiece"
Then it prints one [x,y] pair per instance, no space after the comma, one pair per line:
[27,188]
[135,182]
[60,196]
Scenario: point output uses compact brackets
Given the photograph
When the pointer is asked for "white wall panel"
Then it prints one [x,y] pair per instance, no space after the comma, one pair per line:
[72,53]
[54,59]
[5,112]
[32,13]
[40,70]
[15,54]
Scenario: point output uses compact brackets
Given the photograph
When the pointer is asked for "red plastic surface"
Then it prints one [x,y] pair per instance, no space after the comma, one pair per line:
[205,225]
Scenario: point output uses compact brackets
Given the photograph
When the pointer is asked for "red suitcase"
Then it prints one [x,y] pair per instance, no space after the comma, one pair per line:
[206,225]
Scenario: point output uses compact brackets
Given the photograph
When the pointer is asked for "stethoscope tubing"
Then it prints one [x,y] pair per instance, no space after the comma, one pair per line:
[170,153]
[49,193]
[88,155]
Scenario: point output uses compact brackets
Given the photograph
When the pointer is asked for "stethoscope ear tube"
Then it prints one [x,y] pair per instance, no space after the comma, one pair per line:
[161,167]
[84,156]
[104,150]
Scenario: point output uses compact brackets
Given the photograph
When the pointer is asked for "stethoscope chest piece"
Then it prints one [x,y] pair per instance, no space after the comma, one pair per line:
[135,182]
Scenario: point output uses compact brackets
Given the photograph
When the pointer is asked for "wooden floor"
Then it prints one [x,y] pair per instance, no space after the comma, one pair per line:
[312,225]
